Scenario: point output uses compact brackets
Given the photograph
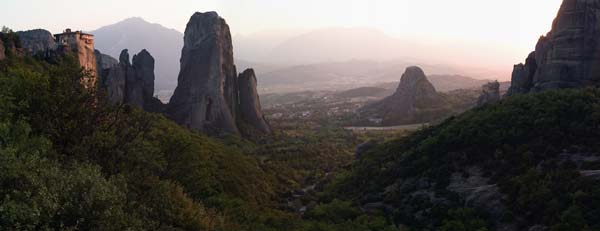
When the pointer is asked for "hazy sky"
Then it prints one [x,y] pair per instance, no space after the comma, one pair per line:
[513,24]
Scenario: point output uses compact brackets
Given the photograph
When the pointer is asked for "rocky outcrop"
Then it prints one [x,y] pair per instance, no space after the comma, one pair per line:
[210,96]
[114,80]
[415,101]
[414,90]
[113,83]
[39,40]
[132,84]
[250,109]
[477,193]
[11,45]
[140,85]
[207,95]
[568,56]
[104,62]
[204,99]
[80,45]
[490,94]
[522,76]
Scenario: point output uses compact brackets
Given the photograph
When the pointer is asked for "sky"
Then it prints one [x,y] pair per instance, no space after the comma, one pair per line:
[514,25]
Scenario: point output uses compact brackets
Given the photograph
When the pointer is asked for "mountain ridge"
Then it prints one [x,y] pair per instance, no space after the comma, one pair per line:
[137,34]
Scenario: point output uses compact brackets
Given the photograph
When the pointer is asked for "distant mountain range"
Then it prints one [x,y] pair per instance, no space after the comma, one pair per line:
[326,45]
[298,47]
[360,73]
[336,55]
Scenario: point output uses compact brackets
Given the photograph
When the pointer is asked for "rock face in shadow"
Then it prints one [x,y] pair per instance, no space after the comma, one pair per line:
[140,85]
[490,93]
[568,56]
[132,84]
[522,76]
[415,101]
[250,109]
[114,80]
[414,90]
[206,98]
[104,62]
[39,40]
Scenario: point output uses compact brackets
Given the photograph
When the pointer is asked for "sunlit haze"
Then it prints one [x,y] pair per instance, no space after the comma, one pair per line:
[503,31]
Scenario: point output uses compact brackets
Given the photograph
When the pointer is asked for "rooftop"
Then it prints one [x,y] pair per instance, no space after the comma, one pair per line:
[69,31]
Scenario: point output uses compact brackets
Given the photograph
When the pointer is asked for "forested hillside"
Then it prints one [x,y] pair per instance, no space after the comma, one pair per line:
[71,161]
[530,161]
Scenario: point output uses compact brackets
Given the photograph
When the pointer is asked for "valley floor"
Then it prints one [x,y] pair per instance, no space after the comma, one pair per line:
[406,128]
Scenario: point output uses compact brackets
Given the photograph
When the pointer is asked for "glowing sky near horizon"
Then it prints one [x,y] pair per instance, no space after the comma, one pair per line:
[512,24]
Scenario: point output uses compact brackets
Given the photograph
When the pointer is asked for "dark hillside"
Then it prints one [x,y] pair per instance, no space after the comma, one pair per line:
[528,160]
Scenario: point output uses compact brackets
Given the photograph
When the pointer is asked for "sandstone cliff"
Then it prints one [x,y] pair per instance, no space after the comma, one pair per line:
[207,95]
[568,56]
[39,40]
[81,45]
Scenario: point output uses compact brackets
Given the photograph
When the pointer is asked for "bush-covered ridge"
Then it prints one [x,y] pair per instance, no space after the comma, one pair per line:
[69,161]
[531,147]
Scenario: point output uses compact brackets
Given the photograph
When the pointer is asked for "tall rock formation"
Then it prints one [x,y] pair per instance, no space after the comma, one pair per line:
[141,84]
[132,84]
[39,40]
[204,99]
[250,109]
[114,79]
[490,93]
[414,90]
[568,56]
[207,95]
[414,93]
[415,101]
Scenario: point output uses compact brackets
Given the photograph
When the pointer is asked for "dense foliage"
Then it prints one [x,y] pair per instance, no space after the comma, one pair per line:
[533,148]
[69,161]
